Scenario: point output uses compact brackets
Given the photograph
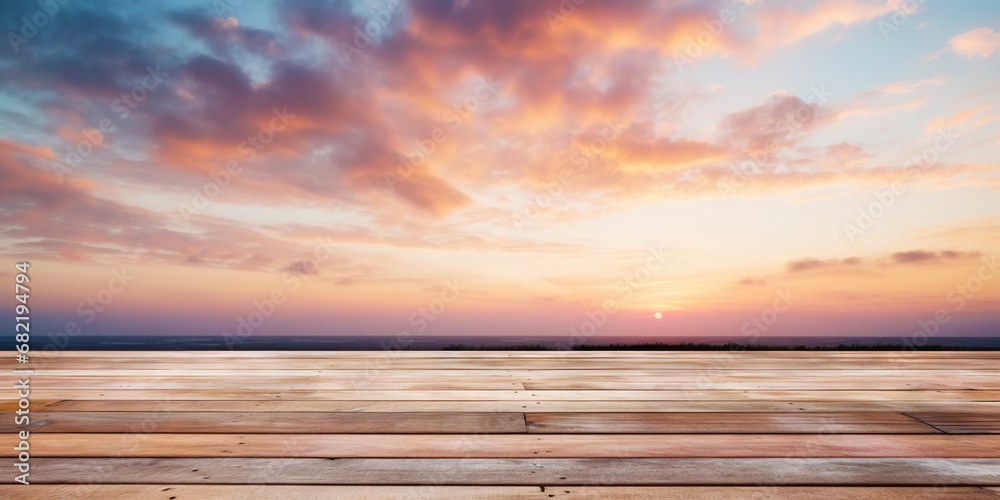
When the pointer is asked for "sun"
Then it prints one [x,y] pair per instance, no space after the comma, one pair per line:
[657,315]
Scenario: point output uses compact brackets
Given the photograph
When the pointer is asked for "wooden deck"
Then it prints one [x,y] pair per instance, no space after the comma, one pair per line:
[523,425]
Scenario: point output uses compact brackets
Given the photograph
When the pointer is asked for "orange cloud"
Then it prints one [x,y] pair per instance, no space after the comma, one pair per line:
[954,120]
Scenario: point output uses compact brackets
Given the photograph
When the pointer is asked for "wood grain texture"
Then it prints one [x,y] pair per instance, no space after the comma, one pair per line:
[313,492]
[962,423]
[694,374]
[726,423]
[519,406]
[511,395]
[145,444]
[552,471]
[523,425]
[269,423]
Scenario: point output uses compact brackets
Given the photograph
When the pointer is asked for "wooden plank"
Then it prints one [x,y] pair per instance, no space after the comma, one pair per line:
[278,492]
[688,376]
[277,423]
[725,423]
[511,395]
[962,423]
[511,372]
[621,382]
[516,406]
[309,492]
[621,471]
[109,383]
[876,383]
[392,423]
[35,405]
[507,445]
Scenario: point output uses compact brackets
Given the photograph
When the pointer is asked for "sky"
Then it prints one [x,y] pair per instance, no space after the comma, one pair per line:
[519,168]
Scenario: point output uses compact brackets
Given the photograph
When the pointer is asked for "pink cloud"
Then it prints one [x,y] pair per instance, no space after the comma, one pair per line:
[782,26]
[978,42]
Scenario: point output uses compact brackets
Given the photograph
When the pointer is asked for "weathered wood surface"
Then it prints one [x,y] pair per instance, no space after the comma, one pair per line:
[511,395]
[519,471]
[472,423]
[962,423]
[276,423]
[313,492]
[523,425]
[725,423]
[154,444]
[514,406]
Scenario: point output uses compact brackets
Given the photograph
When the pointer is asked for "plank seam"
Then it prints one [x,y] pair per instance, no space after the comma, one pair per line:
[928,424]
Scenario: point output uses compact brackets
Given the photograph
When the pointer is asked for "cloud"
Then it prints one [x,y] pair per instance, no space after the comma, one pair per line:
[929,256]
[753,281]
[431,194]
[812,264]
[354,118]
[773,126]
[780,26]
[640,150]
[903,87]
[980,231]
[880,100]
[978,42]
[857,265]
[954,120]
[303,267]
[226,35]
[72,219]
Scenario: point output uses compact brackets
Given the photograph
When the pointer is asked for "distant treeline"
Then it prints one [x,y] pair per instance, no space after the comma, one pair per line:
[733,346]
[462,347]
